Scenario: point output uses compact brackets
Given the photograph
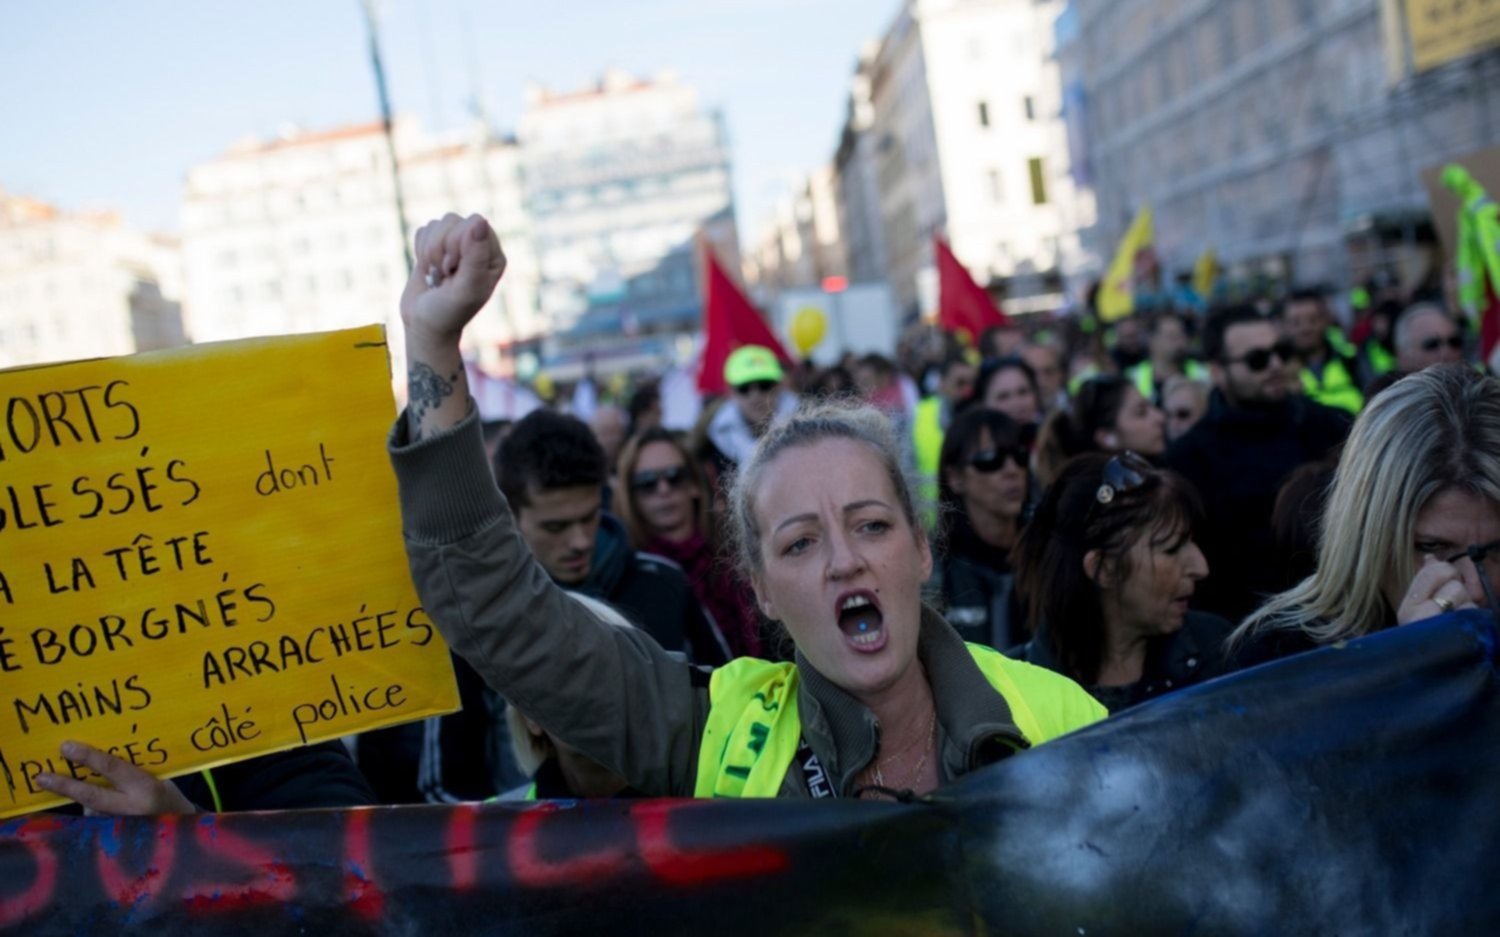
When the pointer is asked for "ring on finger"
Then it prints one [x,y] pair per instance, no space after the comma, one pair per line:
[1445,604]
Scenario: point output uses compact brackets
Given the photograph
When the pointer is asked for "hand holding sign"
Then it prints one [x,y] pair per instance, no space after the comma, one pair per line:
[132,792]
[182,598]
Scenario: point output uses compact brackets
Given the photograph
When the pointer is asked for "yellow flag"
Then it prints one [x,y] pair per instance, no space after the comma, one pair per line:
[1206,274]
[1117,292]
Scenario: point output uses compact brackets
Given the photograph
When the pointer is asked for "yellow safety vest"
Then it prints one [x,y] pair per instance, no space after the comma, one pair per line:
[1336,389]
[753,728]
[1145,376]
[1382,362]
[1076,382]
[927,446]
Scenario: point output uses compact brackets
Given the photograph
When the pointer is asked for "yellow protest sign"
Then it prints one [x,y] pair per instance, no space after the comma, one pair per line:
[1445,30]
[201,559]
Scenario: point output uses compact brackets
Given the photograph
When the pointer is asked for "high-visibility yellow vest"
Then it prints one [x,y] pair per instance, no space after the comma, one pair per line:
[1382,362]
[927,446]
[1336,388]
[1145,376]
[213,789]
[1076,382]
[753,727]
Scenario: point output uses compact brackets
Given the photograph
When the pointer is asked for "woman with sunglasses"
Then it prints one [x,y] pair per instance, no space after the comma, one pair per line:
[1109,567]
[883,697]
[1108,414]
[1412,526]
[982,489]
[667,511]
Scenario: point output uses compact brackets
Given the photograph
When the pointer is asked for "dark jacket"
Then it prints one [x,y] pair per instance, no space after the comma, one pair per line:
[549,784]
[1238,459]
[1268,645]
[1271,644]
[654,593]
[1173,661]
[313,776]
[979,596]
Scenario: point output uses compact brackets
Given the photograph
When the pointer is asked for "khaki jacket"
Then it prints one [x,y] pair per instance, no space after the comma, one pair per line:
[613,693]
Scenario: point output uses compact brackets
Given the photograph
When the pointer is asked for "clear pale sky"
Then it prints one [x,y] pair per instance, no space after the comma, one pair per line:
[104,105]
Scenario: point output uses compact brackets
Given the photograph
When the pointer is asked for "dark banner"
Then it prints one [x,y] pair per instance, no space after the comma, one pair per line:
[1347,791]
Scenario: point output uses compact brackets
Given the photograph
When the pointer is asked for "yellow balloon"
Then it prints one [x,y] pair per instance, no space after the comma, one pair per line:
[808,327]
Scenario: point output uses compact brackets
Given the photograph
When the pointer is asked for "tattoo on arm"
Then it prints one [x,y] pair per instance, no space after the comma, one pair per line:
[426,391]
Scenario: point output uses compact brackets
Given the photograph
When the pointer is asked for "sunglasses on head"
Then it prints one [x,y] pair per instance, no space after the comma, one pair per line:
[1455,342]
[761,387]
[1123,474]
[643,482]
[1260,359]
[989,461]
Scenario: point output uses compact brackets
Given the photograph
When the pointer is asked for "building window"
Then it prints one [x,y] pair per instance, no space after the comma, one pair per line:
[1029,103]
[1038,181]
[997,192]
[984,113]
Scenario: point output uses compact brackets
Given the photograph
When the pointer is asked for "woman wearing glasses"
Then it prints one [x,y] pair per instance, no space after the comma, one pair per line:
[982,489]
[883,696]
[1109,567]
[1108,414]
[667,511]
[1412,527]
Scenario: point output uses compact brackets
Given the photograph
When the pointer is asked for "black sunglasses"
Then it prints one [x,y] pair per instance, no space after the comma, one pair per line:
[990,461]
[764,387]
[642,482]
[1455,342]
[1123,474]
[1260,359]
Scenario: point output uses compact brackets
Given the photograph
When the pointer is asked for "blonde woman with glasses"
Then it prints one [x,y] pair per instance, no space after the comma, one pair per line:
[1412,527]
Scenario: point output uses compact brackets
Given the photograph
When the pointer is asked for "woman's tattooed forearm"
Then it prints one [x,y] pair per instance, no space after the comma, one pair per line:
[426,391]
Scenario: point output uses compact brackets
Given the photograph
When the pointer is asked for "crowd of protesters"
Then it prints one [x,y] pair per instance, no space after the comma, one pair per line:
[872,578]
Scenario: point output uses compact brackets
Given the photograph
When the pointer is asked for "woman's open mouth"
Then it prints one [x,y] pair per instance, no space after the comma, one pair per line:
[861,621]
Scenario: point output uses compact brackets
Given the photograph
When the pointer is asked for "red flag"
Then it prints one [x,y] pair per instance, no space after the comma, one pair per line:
[729,321]
[1489,322]
[963,305]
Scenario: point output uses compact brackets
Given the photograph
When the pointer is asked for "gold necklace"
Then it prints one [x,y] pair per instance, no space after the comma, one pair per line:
[915,776]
